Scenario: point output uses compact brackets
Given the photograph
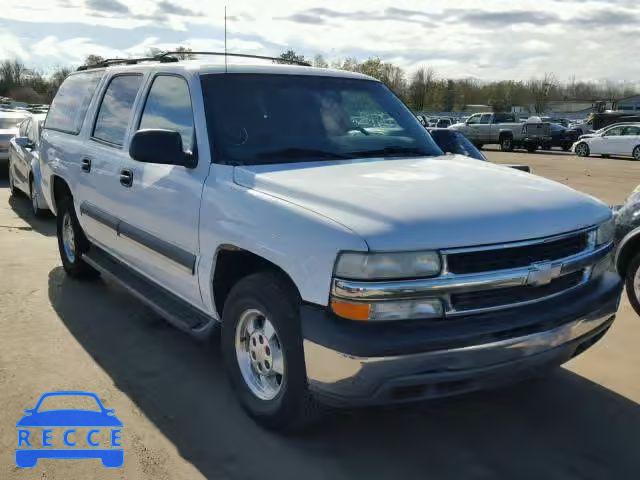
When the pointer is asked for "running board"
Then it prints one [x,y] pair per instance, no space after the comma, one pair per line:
[172,308]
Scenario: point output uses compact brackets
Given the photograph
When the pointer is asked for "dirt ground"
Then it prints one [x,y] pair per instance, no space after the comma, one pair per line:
[181,420]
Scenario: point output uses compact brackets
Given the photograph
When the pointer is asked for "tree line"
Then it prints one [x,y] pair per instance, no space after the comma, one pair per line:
[422,90]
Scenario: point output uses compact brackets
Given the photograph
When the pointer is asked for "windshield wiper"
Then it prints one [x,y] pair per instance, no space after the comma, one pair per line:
[391,151]
[298,153]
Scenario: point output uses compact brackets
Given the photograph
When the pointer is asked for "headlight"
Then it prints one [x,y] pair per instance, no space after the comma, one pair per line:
[605,232]
[377,266]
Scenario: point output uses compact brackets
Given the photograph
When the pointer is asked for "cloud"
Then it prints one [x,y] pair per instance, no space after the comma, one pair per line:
[175,9]
[607,18]
[492,19]
[109,6]
[321,15]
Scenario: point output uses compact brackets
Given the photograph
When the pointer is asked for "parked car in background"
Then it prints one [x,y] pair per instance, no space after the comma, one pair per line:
[619,140]
[486,128]
[344,265]
[560,136]
[24,163]
[443,123]
[628,246]
[9,121]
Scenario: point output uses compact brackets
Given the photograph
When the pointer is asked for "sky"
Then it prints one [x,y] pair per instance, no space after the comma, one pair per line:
[485,39]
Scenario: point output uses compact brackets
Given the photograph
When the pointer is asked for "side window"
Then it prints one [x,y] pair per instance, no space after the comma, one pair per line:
[631,131]
[473,120]
[613,132]
[486,118]
[116,109]
[70,104]
[22,131]
[29,133]
[168,106]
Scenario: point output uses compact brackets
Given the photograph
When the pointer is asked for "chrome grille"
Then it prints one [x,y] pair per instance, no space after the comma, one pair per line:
[519,256]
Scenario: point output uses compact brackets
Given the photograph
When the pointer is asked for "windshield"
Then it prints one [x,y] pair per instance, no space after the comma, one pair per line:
[259,119]
[8,123]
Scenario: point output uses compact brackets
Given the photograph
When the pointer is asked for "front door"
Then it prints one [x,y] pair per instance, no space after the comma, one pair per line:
[160,218]
[610,143]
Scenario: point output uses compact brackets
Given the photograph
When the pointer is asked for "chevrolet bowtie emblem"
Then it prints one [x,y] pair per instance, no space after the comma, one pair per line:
[541,273]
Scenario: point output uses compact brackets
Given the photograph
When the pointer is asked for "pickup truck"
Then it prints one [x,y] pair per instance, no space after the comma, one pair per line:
[343,264]
[486,128]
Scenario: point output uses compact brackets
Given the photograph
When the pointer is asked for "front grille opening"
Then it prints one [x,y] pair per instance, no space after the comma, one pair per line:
[511,295]
[505,258]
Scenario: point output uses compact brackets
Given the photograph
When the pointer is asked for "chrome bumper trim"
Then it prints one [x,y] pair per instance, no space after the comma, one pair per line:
[345,376]
[450,283]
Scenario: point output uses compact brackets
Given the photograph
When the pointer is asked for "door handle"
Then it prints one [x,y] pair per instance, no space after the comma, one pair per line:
[126,177]
[86,165]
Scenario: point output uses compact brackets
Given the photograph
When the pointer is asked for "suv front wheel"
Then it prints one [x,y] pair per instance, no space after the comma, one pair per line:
[262,348]
[72,242]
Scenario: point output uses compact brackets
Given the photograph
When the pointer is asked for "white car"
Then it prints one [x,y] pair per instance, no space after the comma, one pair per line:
[622,140]
[8,129]
[345,265]
[24,162]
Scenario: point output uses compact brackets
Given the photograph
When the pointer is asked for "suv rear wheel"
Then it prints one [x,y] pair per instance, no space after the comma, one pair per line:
[262,348]
[632,283]
[72,243]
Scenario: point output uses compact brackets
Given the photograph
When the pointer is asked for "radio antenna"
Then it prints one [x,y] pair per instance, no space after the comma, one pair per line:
[225,39]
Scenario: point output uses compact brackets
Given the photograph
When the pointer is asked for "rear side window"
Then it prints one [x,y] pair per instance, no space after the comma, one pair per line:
[70,104]
[116,108]
[169,107]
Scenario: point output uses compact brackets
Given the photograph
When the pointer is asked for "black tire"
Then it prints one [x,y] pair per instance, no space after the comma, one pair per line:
[636,153]
[13,190]
[632,292]
[293,407]
[38,212]
[532,148]
[582,150]
[479,146]
[605,155]
[506,143]
[75,267]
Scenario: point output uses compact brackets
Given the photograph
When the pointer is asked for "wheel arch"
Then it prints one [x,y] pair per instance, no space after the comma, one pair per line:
[626,249]
[231,264]
[60,190]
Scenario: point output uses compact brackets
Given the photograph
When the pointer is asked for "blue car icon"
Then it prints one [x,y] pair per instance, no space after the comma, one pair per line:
[105,418]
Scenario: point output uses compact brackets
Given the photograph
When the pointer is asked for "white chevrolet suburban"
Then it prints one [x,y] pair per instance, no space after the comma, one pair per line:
[345,264]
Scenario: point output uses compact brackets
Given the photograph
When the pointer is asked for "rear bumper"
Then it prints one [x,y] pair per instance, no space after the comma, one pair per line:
[351,364]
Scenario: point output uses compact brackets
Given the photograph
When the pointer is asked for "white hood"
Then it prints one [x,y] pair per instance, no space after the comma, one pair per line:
[419,203]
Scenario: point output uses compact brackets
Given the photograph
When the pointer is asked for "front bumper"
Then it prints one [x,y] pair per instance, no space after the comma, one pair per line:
[349,363]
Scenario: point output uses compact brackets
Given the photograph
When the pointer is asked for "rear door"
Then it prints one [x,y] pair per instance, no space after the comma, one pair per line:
[20,156]
[160,216]
[100,196]
[631,139]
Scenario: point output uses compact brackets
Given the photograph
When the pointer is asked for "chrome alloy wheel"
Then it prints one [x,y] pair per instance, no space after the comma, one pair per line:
[582,150]
[259,354]
[68,238]
[636,153]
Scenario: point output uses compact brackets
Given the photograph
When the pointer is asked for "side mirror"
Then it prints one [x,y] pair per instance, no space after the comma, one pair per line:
[24,142]
[160,146]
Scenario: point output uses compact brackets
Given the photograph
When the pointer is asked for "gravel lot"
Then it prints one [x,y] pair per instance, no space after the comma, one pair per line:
[181,420]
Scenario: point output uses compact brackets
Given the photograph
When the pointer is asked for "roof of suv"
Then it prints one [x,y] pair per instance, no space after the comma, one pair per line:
[209,67]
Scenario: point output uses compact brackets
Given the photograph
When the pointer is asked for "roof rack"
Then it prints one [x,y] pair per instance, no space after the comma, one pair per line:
[167,57]
[223,54]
